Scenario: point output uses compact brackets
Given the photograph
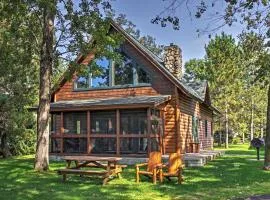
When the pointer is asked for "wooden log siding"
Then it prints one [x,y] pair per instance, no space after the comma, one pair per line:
[67,92]
[159,85]
[188,108]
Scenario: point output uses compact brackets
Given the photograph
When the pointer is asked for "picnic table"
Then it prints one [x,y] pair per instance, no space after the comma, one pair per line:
[109,165]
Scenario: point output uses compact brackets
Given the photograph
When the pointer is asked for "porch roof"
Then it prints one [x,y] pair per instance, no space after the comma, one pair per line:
[137,101]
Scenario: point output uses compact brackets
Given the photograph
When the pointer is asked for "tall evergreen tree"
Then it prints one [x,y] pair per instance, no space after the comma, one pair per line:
[220,68]
[253,14]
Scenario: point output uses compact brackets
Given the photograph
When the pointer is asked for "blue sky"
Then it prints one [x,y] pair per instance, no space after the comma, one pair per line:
[140,12]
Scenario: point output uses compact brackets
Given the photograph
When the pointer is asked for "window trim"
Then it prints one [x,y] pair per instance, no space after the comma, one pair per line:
[112,85]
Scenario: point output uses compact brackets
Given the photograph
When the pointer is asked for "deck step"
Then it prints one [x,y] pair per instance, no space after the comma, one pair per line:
[190,159]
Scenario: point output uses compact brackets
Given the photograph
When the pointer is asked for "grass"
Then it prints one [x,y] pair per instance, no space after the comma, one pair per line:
[235,175]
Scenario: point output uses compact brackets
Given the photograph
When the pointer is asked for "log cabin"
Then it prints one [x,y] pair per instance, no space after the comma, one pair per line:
[131,108]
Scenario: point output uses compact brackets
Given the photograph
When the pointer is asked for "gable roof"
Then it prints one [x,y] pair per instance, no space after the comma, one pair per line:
[191,90]
[194,90]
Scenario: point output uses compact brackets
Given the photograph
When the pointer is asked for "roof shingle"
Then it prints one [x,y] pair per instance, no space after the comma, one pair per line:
[92,103]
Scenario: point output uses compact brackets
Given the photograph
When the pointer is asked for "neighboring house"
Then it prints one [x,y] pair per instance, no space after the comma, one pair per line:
[130,109]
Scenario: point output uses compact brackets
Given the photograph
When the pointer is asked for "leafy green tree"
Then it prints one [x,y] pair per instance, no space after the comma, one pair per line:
[60,31]
[246,97]
[18,81]
[220,68]
[146,40]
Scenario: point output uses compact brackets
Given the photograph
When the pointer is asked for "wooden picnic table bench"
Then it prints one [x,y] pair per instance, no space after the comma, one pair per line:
[109,166]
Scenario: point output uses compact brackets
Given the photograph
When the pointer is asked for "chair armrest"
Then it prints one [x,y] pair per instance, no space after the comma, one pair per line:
[141,164]
[182,166]
[162,165]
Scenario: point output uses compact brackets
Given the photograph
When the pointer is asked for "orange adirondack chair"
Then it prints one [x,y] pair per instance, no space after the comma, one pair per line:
[173,168]
[152,170]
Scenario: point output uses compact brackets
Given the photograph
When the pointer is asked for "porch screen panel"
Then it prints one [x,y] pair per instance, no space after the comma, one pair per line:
[103,122]
[133,131]
[75,123]
[103,145]
[133,122]
[55,146]
[75,145]
[103,132]
[133,145]
[55,123]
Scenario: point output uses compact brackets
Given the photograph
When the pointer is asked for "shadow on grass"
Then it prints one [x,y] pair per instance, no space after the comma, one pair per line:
[227,177]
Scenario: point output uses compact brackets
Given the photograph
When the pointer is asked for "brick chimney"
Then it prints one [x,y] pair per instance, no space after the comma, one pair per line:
[173,60]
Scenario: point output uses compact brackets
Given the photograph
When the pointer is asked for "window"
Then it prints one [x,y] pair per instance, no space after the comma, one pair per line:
[143,77]
[99,73]
[96,75]
[75,123]
[195,127]
[103,122]
[124,72]
[105,73]
[205,128]
[82,82]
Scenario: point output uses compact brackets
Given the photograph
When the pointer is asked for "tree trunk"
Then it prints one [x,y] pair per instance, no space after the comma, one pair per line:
[226,128]
[46,62]
[267,138]
[252,120]
[4,146]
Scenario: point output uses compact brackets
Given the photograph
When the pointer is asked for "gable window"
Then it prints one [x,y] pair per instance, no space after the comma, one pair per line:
[94,76]
[99,73]
[106,73]
[124,72]
[143,77]
[82,82]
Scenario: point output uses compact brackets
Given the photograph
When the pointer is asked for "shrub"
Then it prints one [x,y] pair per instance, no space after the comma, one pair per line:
[22,143]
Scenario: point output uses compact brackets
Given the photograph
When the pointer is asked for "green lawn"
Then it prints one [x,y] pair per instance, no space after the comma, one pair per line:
[234,175]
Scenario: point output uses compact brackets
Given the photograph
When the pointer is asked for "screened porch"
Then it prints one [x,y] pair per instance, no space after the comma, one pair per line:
[120,131]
